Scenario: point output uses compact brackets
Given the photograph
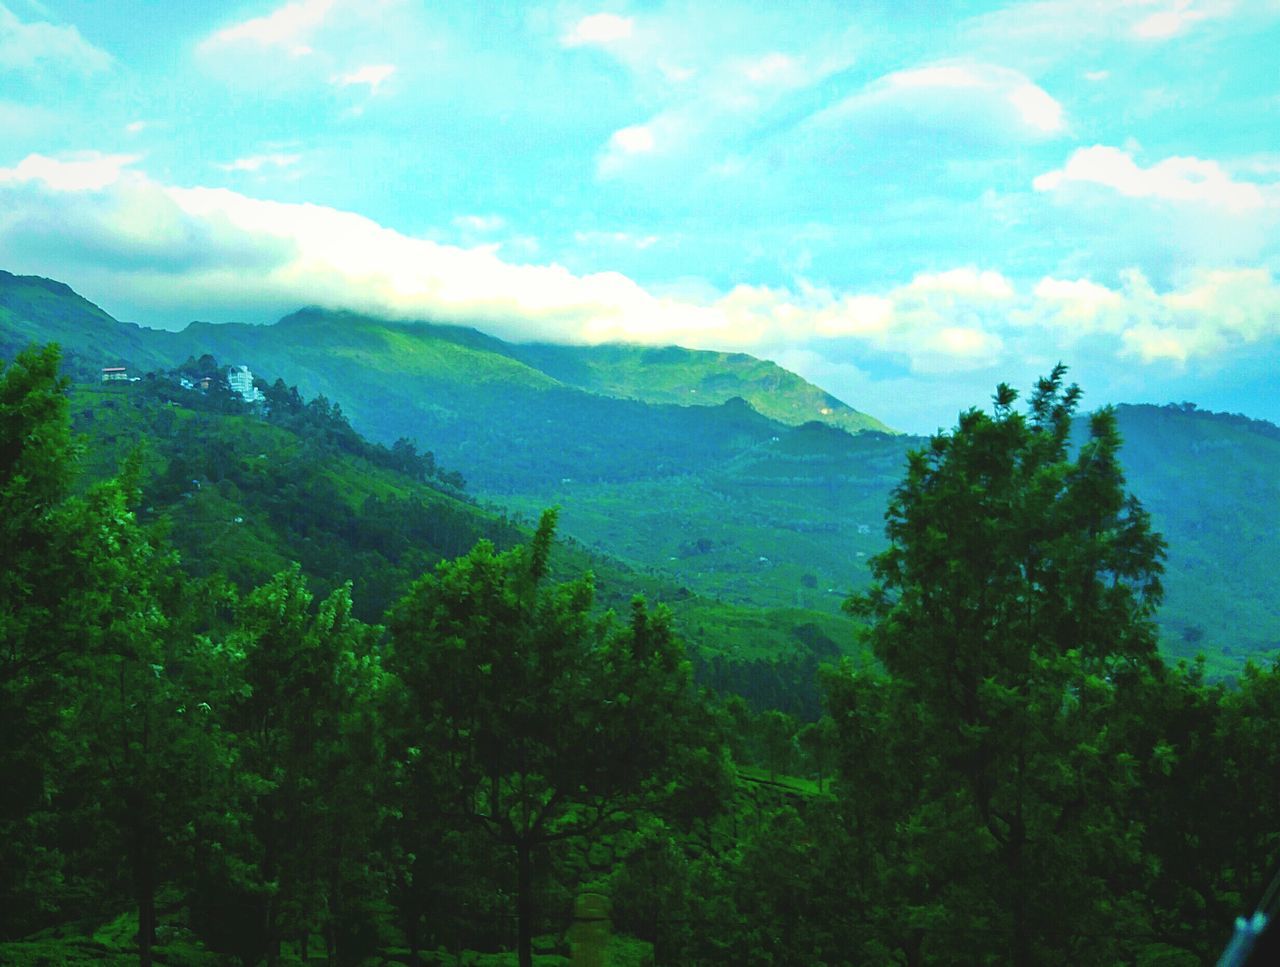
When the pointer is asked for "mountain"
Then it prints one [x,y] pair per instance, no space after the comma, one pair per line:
[1211,482]
[513,426]
[738,500]
[241,494]
[672,374]
[37,310]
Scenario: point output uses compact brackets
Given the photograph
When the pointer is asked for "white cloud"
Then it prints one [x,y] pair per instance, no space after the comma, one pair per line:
[1213,313]
[88,171]
[296,254]
[675,73]
[598,30]
[259,161]
[178,250]
[1173,179]
[652,147]
[1048,30]
[597,239]
[637,139]
[1173,216]
[774,68]
[344,45]
[964,283]
[27,46]
[1031,104]
[1080,307]
[713,87]
[372,75]
[479,224]
[290,27]
[983,101]
[1177,17]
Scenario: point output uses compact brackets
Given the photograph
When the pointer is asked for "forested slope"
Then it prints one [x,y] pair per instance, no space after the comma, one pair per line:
[201,774]
[728,501]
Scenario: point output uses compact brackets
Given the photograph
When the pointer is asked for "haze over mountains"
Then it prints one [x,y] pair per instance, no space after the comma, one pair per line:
[722,473]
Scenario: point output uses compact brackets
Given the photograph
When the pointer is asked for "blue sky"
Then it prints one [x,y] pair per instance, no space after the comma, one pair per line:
[905,203]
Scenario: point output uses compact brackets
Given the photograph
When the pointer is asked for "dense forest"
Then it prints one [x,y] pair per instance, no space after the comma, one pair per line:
[210,765]
[717,473]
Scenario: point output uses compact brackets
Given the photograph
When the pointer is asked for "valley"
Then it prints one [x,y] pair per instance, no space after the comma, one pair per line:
[765,493]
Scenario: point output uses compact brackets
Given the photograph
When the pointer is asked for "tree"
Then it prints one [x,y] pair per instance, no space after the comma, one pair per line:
[100,735]
[551,724]
[817,741]
[777,741]
[306,724]
[1014,607]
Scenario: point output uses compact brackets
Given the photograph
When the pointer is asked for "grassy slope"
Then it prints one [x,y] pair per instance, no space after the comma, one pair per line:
[35,310]
[685,377]
[695,496]
[1212,485]
[790,521]
[232,524]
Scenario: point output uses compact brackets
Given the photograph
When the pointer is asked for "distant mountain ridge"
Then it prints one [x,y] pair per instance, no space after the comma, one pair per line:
[741,498]
[673,374]
[669,374]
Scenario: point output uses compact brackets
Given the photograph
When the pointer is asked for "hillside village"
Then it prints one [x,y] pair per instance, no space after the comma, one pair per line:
[201,374]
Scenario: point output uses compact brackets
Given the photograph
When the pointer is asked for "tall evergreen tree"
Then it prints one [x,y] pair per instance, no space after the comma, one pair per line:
[552,724]
[1014,607]
[296,853]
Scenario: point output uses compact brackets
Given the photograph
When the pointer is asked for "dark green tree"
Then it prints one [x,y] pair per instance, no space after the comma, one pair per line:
[817,741]
[1014,607]
[777,741]
[298,853]
[101,736]
[551,723]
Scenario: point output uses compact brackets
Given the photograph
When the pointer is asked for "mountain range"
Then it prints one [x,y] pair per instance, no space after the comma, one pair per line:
[721,476]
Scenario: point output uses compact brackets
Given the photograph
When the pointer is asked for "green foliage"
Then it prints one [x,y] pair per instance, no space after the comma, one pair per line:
[552,724]
[1012,614]
[306,732]
[242,497]
[195,774]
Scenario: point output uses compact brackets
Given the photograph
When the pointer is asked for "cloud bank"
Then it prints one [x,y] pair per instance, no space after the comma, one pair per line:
[165,249]
[35,45]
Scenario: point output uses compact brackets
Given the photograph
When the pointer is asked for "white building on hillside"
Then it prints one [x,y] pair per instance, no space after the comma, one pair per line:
[241,381]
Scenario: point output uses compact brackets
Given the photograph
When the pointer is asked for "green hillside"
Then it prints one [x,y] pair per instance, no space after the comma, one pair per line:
[686,377]
[242,495]
[1212,484]
[726,500]
[791,520]
[36,310]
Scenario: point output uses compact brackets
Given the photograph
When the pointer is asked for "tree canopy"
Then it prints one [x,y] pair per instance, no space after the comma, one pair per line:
[553,723]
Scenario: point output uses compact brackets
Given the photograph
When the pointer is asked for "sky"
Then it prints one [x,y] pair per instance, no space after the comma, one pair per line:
[905,203]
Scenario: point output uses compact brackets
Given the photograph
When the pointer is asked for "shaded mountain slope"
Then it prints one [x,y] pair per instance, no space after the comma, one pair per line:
[37,310]
[721,500]
[241,497]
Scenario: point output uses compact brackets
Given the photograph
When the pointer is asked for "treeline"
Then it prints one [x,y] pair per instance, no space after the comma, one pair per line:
[319,419]
[1261,427]
[271,769]
[1015,778]
[212,459]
